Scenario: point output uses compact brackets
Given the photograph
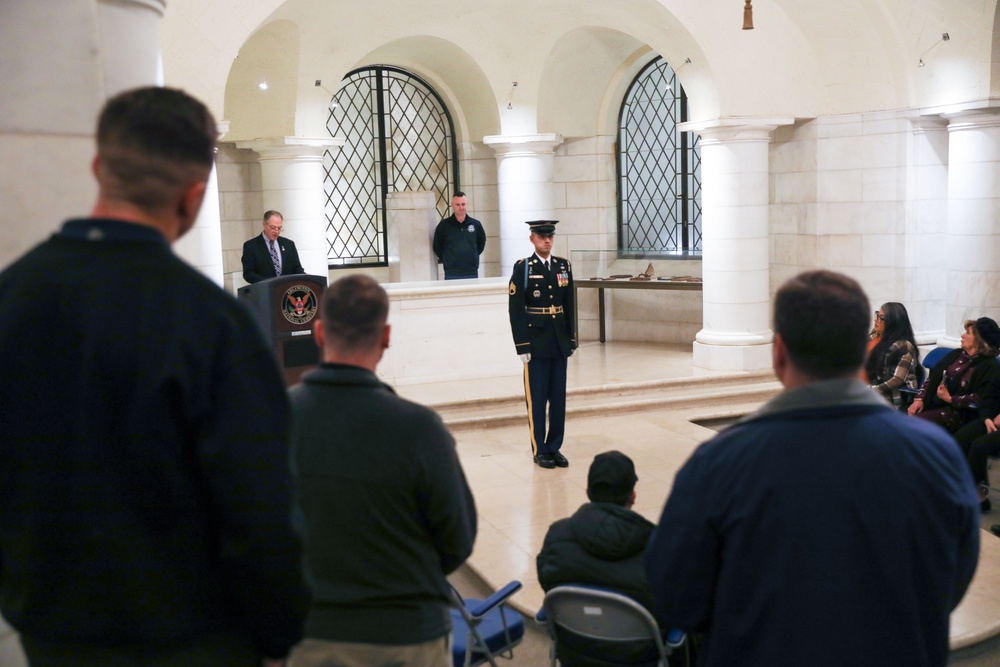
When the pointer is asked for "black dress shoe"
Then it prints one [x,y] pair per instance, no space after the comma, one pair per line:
[544,461]
[560,460]
[995,529]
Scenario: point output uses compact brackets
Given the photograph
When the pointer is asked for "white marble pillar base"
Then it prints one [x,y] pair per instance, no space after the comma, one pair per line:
[732,357]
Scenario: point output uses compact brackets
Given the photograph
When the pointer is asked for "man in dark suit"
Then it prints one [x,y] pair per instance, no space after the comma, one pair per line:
[266,257]
[386,509]
[541,321]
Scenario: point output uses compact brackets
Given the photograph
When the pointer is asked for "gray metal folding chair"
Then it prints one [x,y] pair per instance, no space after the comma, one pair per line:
[592,626]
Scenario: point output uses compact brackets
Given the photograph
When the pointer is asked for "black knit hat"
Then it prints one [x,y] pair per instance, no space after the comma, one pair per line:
[988,331]
[611,478]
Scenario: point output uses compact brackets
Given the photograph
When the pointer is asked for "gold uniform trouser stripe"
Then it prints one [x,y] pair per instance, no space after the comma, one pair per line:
[531,420]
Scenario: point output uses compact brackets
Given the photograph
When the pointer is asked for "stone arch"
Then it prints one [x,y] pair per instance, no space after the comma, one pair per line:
[271,56]
[453,73]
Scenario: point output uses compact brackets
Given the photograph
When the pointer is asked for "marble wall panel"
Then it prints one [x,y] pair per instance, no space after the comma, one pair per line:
[484,172]
[798,155]
[931,181]
[841,185]
[845,125]
[797,187]
[574,168]
[581,195]
[579,146]
[889,122]
[835,250]
[882,250]
[883,184]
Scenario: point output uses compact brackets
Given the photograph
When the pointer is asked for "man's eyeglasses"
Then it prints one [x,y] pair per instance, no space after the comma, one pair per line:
[878,317]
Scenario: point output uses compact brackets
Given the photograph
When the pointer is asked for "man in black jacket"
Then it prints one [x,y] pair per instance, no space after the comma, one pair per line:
[459,240]
[603,542]
[145,490]
[386,507]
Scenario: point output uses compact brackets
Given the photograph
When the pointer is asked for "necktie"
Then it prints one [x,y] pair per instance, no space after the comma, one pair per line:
[274,258]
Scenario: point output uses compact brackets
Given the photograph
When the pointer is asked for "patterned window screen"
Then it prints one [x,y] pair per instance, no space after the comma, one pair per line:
[398,137]
[659,168]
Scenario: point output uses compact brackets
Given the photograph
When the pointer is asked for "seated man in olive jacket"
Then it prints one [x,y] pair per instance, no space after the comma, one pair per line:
[602,543]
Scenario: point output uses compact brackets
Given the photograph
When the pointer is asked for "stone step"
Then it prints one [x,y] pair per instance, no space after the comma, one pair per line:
[716,393]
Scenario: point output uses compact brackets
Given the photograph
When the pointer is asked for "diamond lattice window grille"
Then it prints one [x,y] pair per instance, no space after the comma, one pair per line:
[659,167]
[398,136]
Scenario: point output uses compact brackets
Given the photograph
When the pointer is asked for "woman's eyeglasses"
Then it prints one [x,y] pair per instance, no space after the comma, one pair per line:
[878,317]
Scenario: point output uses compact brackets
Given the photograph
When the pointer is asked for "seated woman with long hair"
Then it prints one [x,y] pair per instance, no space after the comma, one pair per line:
[956,386]
[893,360]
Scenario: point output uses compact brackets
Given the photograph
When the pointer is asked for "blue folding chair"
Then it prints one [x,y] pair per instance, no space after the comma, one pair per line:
[483,630]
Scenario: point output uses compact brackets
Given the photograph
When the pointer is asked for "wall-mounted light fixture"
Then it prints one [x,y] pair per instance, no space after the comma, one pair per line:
[687,61]
[510,95]
[944,38]
[333,102]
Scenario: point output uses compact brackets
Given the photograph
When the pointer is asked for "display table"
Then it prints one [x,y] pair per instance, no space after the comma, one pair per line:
[602,284]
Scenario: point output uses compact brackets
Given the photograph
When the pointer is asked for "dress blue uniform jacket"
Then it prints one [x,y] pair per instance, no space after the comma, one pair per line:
[826,529]
[532,286]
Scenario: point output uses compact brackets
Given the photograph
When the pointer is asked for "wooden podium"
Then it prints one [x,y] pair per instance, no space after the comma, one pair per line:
[286,308]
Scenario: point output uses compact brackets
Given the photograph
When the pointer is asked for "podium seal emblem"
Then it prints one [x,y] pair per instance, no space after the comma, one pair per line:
[300,304]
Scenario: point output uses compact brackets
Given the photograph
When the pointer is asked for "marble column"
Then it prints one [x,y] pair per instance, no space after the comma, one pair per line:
[292,177]
[972,247]
[201,247]
[736,332]
[524,187]
[58,65]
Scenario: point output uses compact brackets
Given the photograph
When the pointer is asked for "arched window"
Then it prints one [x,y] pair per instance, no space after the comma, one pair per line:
[398,137]
[659,168]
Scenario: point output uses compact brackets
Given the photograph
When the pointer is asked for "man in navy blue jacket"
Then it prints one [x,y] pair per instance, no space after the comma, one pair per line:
[826,528]
[145,487]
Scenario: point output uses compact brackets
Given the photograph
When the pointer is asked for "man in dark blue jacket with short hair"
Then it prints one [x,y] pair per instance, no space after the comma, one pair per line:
[826,529]
[459,240]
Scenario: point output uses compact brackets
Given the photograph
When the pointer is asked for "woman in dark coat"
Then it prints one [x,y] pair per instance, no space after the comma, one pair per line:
[959,388]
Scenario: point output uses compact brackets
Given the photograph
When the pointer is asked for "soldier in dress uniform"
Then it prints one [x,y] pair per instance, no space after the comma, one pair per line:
[541,320]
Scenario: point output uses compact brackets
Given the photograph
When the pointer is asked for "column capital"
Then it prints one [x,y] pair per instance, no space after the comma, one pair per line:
[736,129]
[973,119]
[291,148]
[528,144]
[157,6]
[965,112]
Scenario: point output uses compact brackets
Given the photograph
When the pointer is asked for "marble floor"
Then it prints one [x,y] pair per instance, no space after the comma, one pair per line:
[517,501]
